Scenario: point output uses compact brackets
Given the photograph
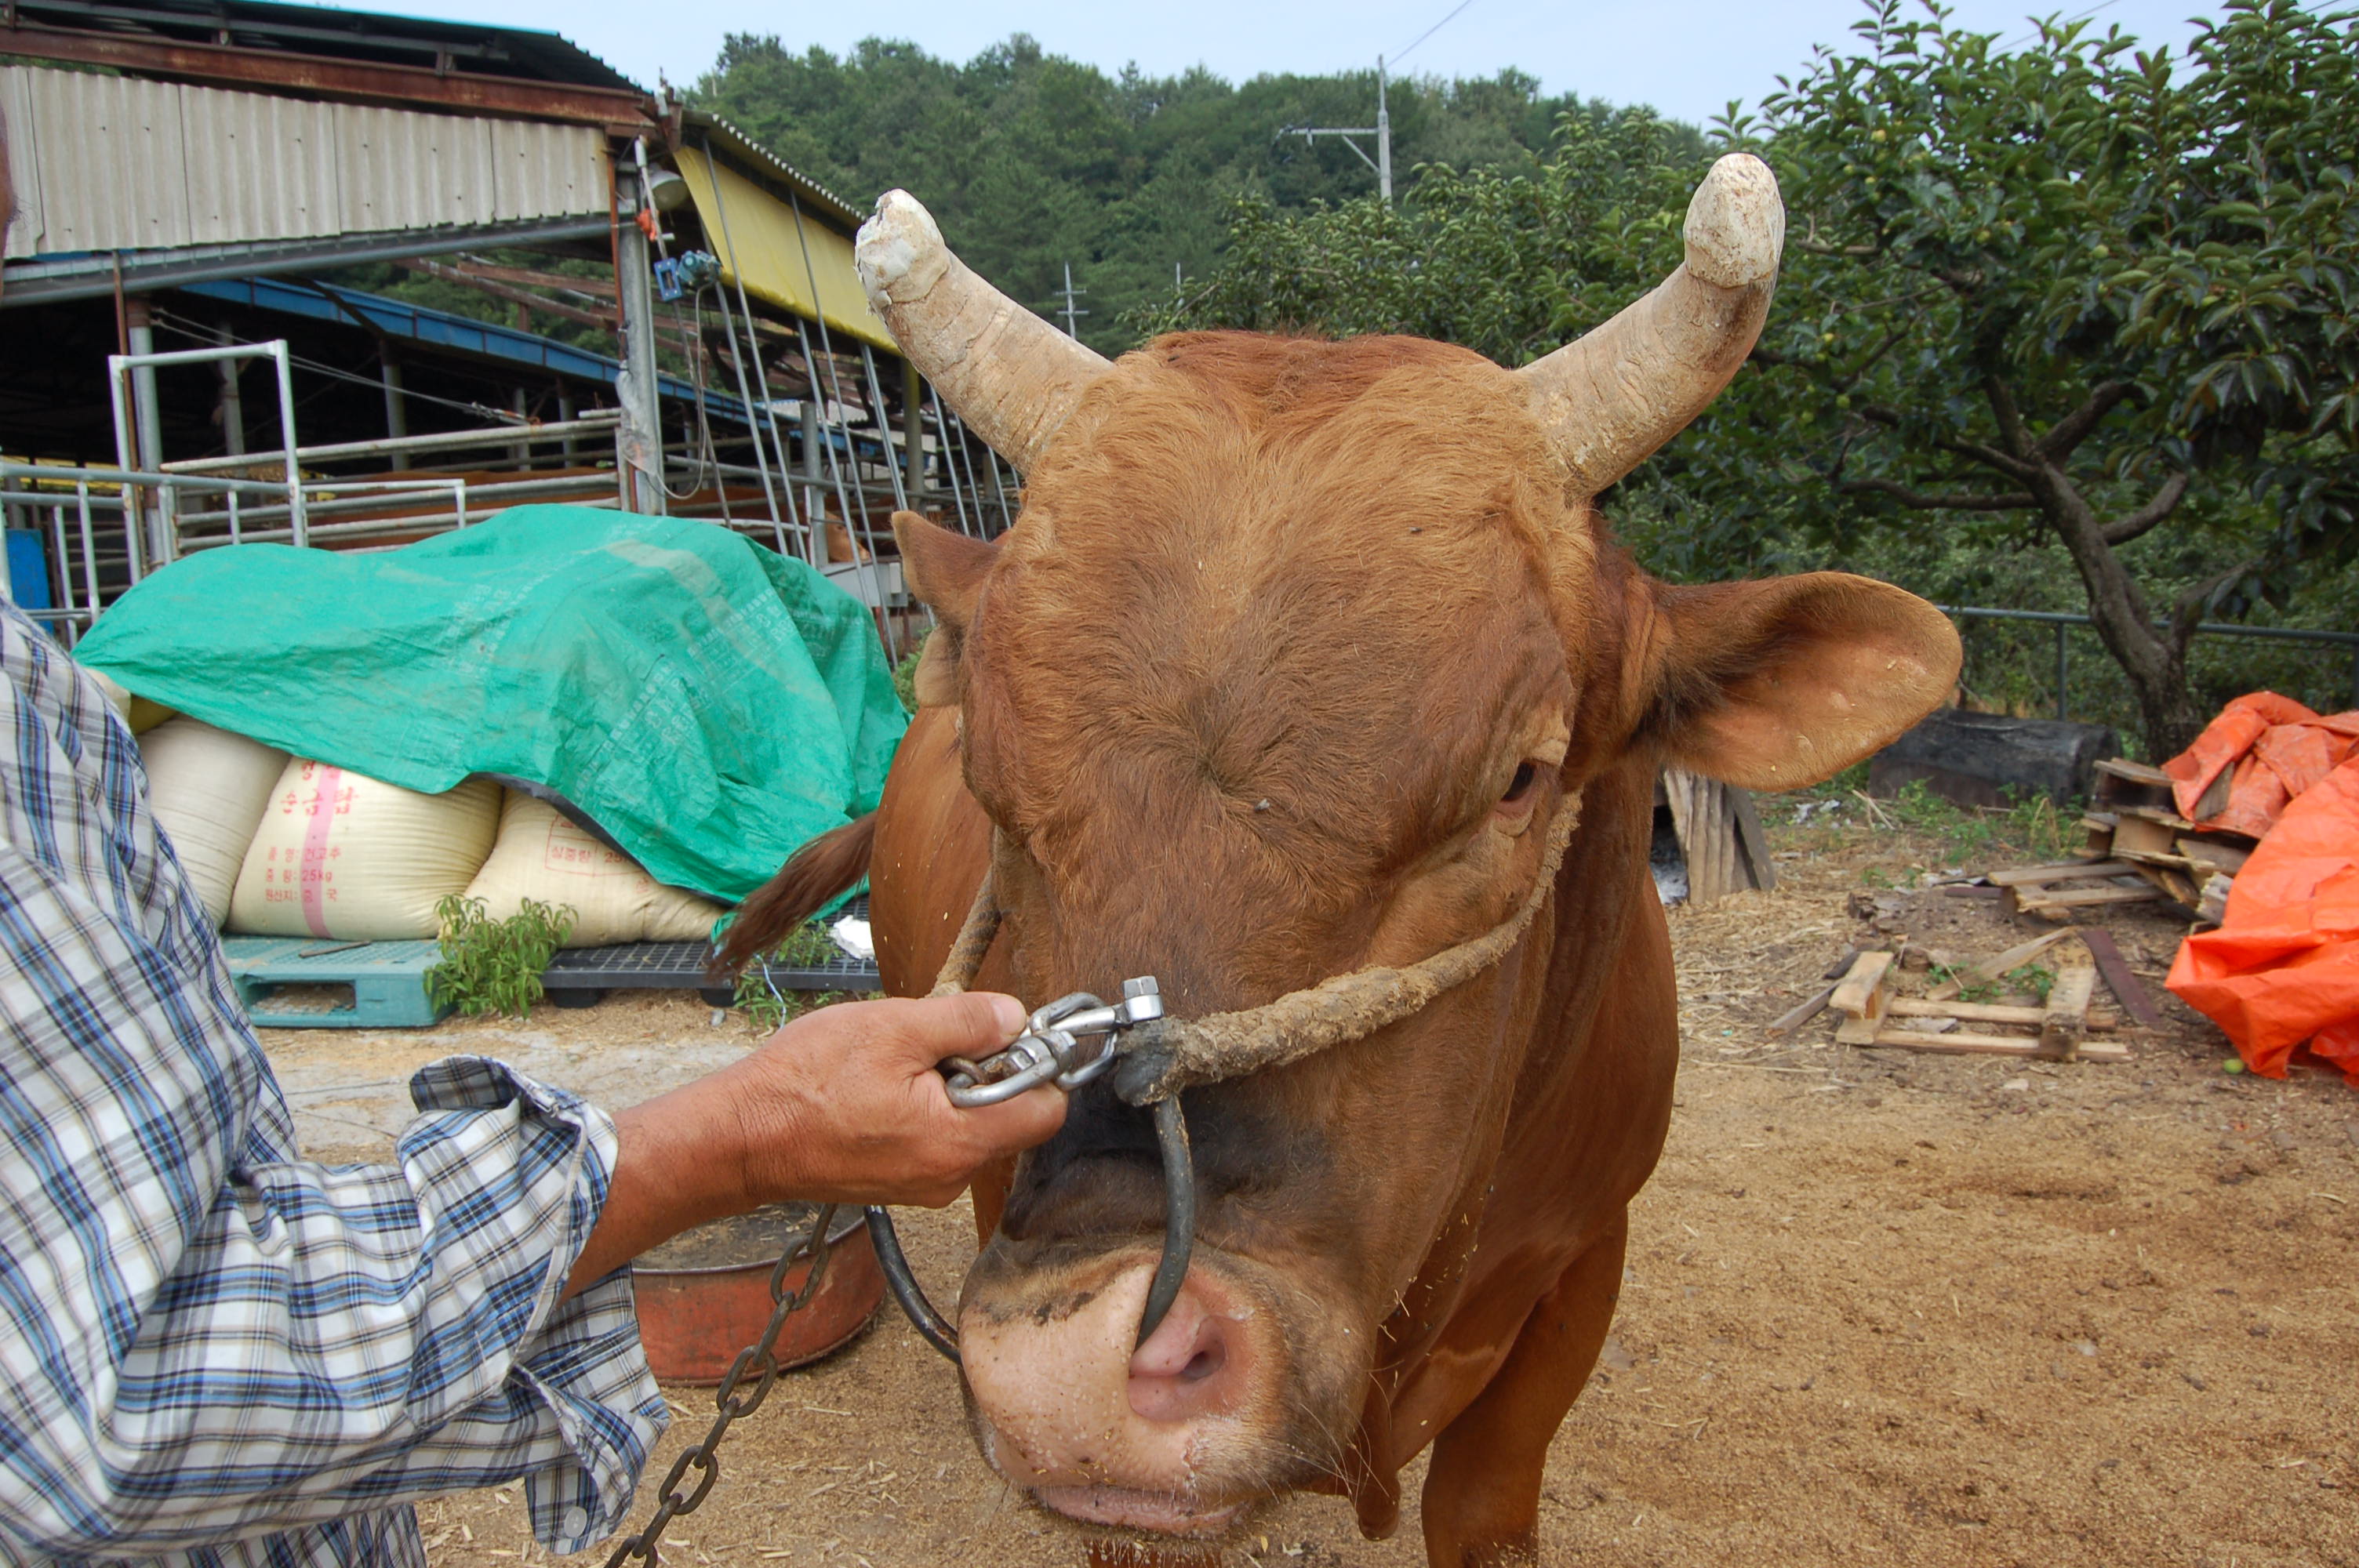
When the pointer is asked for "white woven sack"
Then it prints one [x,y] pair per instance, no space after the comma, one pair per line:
[345,856]
[210,789]
[542,856]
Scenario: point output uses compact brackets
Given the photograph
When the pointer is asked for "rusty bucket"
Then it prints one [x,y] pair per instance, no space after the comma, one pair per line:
[694,1321]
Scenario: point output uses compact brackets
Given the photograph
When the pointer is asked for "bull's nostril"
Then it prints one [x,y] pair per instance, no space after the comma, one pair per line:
[1205,1363]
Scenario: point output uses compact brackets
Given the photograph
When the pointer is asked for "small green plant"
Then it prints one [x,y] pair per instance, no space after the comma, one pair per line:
[766,1003]
[494,966]
[904,675]
[2029,978]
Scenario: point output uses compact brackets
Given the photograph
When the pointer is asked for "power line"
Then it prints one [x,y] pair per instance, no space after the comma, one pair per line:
[2017,43]
[1399,55]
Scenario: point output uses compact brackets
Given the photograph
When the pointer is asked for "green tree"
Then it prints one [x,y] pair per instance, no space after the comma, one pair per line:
[2066,293]
[2072,290]
[1031,161]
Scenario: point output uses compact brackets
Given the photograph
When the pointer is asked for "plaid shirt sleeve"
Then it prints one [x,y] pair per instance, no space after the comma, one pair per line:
[207,1341]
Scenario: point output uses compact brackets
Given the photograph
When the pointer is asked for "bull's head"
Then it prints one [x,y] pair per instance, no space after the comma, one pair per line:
[1295,656]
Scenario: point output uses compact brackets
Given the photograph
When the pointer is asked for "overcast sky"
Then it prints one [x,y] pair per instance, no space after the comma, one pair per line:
[1687,57]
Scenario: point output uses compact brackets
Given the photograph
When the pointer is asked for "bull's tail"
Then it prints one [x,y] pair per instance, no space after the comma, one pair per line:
[816,872]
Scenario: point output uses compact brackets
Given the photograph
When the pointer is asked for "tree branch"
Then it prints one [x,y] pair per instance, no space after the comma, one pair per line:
[2010,500]
[1989,457]
[2069,432]
[2165,502]
[2010,418]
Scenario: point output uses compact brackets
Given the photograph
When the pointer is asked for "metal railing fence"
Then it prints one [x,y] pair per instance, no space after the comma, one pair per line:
[2065,620]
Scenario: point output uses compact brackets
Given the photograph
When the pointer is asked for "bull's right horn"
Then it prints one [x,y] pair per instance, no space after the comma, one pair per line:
[1011,376]
[1609,398]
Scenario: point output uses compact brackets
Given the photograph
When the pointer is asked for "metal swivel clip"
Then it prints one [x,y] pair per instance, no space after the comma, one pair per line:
[1067,1043]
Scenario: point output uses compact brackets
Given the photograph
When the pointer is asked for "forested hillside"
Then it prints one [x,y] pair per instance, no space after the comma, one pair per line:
[1029,160]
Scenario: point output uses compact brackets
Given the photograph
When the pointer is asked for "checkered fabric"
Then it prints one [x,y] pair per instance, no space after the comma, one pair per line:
[211,1351]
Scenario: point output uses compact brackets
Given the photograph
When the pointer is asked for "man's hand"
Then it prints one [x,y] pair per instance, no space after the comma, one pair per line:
[844,1105]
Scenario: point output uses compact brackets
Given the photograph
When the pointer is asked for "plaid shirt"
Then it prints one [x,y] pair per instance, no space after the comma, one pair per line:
[215,1353]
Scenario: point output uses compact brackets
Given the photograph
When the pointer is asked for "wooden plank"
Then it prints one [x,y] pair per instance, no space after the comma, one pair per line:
[2227,857]
[2138,835]
[2054,906]
[1998,964]
[1794,1016]
[1965,1044]
[2067,1013]
[2119,981]
[1969,890]
[2174,883]
[2215,798]
[1750,839]
[1861,994]
[2212,903]
[2059,872]
[1984,1011]
[1707,834]
[1842,966]
[2156,814]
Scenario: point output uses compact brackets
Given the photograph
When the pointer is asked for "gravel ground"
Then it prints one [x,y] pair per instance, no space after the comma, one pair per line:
[1882,1306]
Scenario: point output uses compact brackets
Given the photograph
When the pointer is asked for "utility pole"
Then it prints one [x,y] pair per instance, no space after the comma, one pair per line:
[1382,130]
[1071,293]
[638,435]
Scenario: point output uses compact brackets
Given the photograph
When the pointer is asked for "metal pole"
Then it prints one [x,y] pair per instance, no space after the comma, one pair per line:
[149,424]
[396,413]
[299,518]
[89,547]
[991,461]
[233,409]
[913,432]
[640,439]
[754,351]
[1384,137]
[2061,628]
[737,358]
[884,431]
[65,564]
[851,530]
[950,464]
[966,459]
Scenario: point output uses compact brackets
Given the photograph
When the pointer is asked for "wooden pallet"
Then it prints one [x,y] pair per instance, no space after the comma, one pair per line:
[2062,890]
[2134,818]
[310,982]
[1873,1015]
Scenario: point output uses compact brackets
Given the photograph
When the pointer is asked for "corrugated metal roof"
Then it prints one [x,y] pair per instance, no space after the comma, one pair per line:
[104,163]
[802,265]
[319,30]
[702,128]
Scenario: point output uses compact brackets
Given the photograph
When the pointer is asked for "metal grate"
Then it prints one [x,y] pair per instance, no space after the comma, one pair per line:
[679,966]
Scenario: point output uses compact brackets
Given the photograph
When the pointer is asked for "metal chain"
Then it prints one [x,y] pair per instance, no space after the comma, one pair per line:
[759,1356]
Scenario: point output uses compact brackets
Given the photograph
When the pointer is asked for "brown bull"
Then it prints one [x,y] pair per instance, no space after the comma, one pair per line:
[1289,668]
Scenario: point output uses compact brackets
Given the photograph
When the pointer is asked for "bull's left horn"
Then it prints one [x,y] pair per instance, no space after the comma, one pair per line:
[1610,398]
[1011,376]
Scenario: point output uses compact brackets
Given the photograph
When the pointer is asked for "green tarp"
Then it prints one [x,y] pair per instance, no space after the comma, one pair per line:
[709,702]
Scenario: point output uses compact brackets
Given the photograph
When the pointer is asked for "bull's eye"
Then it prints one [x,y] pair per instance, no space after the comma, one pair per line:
[1519,788]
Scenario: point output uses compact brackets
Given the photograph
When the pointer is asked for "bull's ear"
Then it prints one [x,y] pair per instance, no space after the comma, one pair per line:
[1781,684]
[945,571]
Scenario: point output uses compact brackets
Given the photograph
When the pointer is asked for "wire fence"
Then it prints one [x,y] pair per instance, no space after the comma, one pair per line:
[2023,659]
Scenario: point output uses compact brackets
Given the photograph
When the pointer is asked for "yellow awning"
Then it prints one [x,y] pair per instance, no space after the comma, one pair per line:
[803,266]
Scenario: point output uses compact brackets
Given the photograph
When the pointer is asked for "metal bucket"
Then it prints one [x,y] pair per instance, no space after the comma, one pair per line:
[693,1322]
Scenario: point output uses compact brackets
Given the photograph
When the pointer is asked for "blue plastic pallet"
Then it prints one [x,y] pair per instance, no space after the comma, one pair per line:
[387,981]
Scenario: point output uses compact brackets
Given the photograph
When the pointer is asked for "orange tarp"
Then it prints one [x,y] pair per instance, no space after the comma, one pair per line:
[2283,968]
[2278,748]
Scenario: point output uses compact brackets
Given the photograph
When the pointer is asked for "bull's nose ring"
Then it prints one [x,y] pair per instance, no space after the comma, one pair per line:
[1170,1268]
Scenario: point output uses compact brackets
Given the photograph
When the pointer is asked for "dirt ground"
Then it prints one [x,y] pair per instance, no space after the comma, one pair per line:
[1882,1307]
